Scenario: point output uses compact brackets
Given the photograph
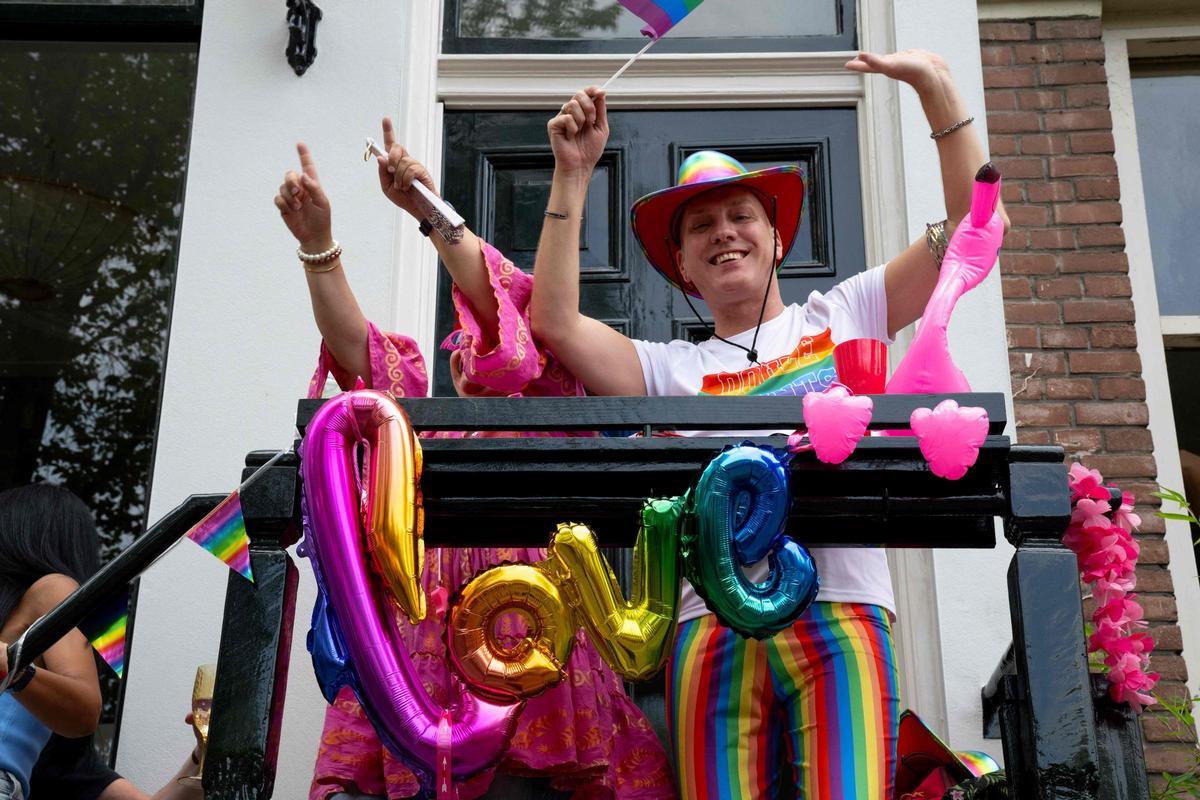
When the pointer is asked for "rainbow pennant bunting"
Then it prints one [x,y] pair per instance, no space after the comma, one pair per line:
[105,628]
[223,533]
[660,15]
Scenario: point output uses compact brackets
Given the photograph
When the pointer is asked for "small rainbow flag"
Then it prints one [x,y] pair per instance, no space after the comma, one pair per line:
[105,628]
[660,15]
[223,533]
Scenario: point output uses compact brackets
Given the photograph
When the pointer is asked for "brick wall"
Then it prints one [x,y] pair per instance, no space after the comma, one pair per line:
[1076,374]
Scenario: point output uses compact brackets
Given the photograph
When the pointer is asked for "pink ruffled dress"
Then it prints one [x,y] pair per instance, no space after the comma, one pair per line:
[585,733]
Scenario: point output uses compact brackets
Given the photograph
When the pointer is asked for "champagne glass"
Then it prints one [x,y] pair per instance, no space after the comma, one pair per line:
[202,697]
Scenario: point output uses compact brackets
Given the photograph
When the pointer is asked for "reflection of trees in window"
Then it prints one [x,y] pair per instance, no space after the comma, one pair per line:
[93,152]
[553,19]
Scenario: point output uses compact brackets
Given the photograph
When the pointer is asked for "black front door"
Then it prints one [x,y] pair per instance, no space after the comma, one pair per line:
[497,172]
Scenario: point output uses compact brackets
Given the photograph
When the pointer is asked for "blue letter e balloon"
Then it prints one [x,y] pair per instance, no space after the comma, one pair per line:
[741,506]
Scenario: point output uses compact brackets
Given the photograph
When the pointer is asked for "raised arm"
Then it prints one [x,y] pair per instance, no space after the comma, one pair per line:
[911,276]
[305,210]
[463,258]
[64,692]
[602,358]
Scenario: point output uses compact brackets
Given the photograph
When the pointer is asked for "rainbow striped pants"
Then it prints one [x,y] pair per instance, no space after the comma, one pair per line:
[810,713]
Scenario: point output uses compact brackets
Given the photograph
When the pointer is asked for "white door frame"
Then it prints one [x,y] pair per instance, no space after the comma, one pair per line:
[1148,322]
[434,83]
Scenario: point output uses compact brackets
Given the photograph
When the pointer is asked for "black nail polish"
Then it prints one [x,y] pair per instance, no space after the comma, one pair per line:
[988,173]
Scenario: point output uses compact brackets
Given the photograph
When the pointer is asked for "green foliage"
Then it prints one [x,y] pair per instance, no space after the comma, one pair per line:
[1186,785]
[1095,658]
[1186,515]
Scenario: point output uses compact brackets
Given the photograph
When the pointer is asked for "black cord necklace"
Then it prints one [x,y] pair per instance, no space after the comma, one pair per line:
[751,351]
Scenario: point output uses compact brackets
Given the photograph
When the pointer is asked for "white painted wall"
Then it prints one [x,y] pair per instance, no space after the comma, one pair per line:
[972,594]
[243,344]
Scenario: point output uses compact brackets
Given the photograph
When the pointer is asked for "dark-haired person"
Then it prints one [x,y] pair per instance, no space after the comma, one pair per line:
[815,706]
[48,546]
[70,769]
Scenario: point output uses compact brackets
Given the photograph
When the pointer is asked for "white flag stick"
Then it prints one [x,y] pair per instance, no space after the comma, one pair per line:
[628,64]
[453,217]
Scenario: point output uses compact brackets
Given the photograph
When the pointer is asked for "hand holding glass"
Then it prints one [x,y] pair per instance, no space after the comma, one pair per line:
[202,697]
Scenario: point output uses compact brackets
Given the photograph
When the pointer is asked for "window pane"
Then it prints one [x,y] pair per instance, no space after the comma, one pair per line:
[93,151]
[100,2]
[600,19]
[1168,116]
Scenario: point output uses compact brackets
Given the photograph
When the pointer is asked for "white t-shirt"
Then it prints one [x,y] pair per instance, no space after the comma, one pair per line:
[795,352]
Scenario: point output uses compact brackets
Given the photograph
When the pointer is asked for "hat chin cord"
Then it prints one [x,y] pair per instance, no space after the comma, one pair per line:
[751,351]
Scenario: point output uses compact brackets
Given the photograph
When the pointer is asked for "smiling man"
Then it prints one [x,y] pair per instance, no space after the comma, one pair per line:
[819,699]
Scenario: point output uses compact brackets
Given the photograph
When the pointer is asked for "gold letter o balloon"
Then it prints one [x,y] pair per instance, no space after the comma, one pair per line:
[535,663]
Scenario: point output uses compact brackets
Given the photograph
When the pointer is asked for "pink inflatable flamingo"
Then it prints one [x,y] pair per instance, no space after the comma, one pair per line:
[927,366]
[950,436]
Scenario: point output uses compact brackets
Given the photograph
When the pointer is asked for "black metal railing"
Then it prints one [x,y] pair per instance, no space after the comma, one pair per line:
[1056,742]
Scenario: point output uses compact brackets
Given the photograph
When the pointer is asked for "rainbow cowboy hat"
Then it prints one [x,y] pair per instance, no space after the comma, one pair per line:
[919,751]
[655,217]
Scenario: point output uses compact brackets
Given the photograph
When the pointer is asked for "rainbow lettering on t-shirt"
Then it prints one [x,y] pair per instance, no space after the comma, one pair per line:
[808,368]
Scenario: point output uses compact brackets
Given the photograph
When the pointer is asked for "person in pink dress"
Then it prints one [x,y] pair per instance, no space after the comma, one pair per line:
[585,735]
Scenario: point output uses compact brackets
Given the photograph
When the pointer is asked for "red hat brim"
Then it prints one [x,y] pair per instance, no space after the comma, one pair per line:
[651,216]
[918,751]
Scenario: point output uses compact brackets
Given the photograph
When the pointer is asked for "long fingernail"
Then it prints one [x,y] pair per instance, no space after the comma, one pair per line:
[988,173]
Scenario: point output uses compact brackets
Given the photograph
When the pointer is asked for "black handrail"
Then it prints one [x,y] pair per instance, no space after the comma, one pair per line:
[111,578]
[624,413]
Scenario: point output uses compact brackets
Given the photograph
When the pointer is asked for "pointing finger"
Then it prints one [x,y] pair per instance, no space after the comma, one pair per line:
[389,134]
[307,162]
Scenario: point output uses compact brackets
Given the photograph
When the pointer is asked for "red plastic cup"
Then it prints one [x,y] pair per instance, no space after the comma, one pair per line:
[861,365]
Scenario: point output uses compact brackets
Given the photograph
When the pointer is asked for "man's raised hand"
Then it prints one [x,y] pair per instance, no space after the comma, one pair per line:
[579,132]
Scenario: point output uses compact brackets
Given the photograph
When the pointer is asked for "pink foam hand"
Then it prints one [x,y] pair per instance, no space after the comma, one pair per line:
[950,437]
[836,421]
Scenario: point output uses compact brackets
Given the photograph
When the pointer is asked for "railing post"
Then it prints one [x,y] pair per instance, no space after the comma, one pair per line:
[256,635]
[1056,752]
[1122,757]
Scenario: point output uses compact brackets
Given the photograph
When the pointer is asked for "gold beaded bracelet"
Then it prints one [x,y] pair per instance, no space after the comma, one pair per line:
[336,263]
[935,238]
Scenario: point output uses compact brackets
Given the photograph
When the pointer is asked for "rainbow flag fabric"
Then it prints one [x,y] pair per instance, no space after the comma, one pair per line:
[106,627]
[660,15]
[808,368]
[223,533]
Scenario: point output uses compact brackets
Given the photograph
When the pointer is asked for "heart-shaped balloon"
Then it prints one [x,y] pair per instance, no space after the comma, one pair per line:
[836,420]
[950,437]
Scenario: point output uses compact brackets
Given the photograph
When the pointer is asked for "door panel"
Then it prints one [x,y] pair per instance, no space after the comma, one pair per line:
[498,167]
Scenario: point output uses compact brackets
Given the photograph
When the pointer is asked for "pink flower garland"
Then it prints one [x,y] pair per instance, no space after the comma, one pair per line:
[1107,555]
